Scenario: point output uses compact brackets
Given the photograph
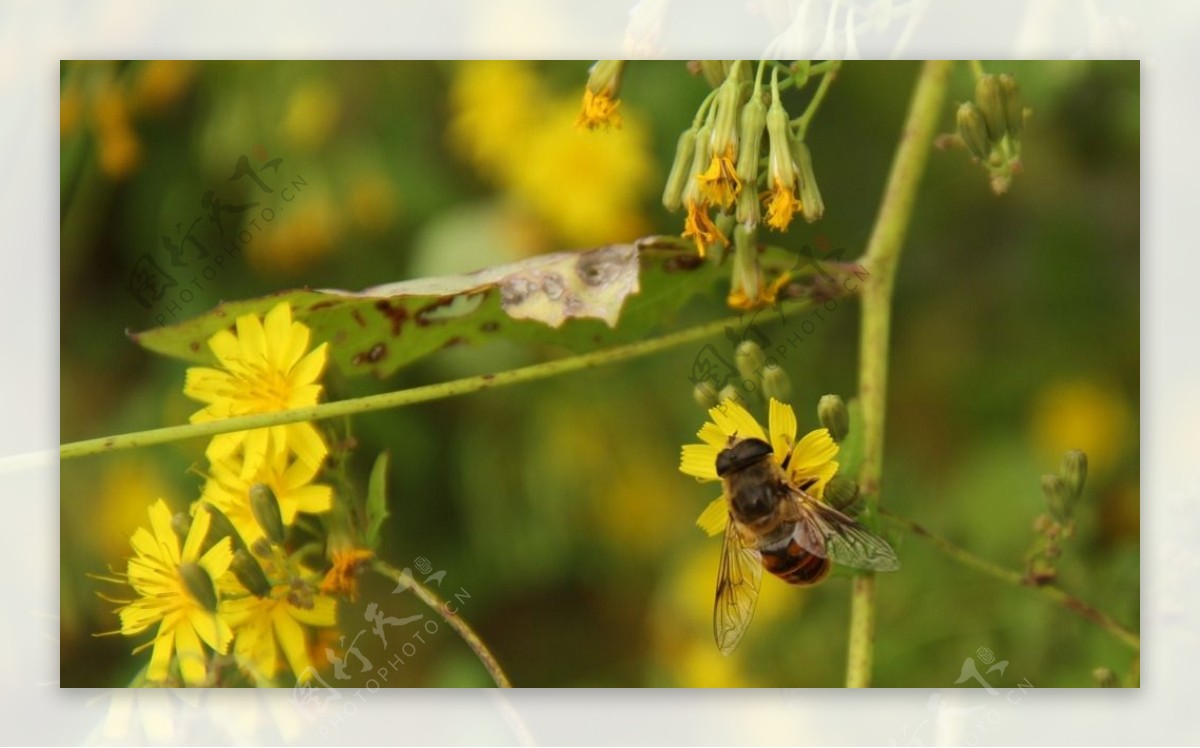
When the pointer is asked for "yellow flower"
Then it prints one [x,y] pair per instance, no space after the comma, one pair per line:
[781,205]
[599,110]
[171,583]
[600,97]
[266,625]
[291,482]
[493,104]
[341,579]
[264,368]
[700,226]
[719,183]
[811,458]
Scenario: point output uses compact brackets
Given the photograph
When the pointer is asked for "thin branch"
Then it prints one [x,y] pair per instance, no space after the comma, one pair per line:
[805,119]
[401,398]
[1055,594]
[461,627]
[882,255]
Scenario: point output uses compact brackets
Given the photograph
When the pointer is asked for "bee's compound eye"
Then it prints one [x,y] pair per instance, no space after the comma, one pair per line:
[742,455]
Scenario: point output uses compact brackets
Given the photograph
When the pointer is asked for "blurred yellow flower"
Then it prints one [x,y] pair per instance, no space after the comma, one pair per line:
[495,105]
[586,190]
[264,626]
[342,577]
[266,366]
[161,84]
[310,115]
[290,481]
[1081,414]
[178,592]
[298,239]
[811,458]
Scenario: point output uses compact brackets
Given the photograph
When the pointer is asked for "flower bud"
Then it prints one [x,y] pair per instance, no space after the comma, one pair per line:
[728,105]
[1074,472]
[685,150]
[746,275]
[750,359]
[731,392]
[1058,497]
[779,141]
[833,415]
[973,130]
[990,99]
[704,395]
[219,527]
[199,585]
[776,383]
[1014,107]
[713,71]
[265,508]
[841,492]
[754,119]
[812,206]
[1105,678]
[250,574]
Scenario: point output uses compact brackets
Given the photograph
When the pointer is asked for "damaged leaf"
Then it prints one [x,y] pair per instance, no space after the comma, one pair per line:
[573,298]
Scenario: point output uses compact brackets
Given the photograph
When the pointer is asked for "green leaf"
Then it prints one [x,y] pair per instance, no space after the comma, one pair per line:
[572,298]
[850,456]
[377,500]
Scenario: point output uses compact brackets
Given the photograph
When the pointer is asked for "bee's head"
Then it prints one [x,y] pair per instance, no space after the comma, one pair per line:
[742,455]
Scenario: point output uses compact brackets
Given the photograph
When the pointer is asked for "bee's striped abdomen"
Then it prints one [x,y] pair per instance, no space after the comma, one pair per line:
[794,565]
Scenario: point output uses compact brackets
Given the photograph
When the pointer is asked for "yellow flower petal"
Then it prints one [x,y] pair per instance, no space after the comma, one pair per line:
[322,613]
[710,433]
[307,499]
[782,424]
[196,534]
[306,442]
[224,345]
[192,660]
[277,327]
[290,636]
[699,460]
[164,535]
[817,447]
[216,560]
[309,368]
[252,340]
[714,517]
[735,420]
[160,658]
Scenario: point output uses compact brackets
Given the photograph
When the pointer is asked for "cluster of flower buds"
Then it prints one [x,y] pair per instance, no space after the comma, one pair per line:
[760,377]
[990,127]
[719,168]
[1062,491]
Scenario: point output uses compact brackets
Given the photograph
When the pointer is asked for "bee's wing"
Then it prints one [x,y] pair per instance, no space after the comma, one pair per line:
[828,533]
[737,589]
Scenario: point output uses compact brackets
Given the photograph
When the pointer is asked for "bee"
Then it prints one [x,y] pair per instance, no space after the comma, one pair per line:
[779,526]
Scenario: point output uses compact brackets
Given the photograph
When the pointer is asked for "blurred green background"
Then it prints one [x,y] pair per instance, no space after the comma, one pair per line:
[558,505]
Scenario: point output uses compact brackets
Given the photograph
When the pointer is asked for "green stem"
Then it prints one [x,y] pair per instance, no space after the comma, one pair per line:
[461,627]
[805,119]
[976,68]
[1055,594]
[881,257]
[402,397]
